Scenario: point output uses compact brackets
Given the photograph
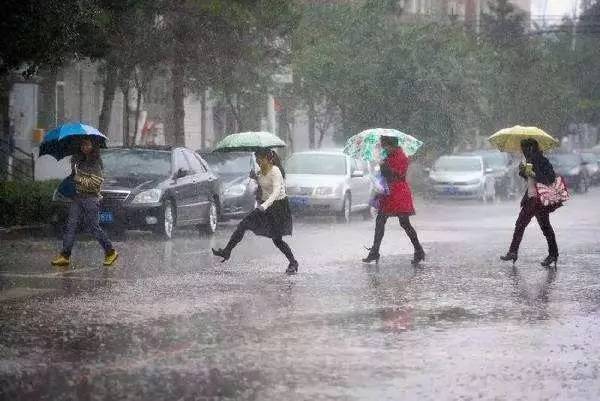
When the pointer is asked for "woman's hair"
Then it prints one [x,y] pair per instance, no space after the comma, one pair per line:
[93,155]
[389,140]
[272,156]
[530,146]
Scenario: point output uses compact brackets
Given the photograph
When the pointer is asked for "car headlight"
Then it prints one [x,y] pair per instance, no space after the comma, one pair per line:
[149,196]
[324,191]
[235,190]
[473,182]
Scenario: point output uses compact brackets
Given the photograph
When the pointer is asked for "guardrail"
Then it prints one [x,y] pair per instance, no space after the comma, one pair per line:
[16,163]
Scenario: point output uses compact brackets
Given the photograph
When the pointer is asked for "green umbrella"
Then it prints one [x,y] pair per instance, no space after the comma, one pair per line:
[249,142]
[366,145]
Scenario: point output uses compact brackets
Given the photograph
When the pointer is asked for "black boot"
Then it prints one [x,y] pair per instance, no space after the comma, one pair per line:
[223,253]
[292,267]
[549,260]
[510,256]
[373,256]
[418,256]
[235,239]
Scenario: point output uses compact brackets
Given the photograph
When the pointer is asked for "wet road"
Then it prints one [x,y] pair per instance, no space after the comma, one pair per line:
[172,323]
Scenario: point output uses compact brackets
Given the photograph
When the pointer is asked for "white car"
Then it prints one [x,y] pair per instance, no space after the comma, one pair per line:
[327,183]
[462,177]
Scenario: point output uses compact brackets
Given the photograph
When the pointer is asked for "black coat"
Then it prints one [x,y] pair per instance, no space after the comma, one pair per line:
[544,174]
[542,168]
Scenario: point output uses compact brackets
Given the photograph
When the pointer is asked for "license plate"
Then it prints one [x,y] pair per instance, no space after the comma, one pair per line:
[299,201]
[450,190]
[106,217]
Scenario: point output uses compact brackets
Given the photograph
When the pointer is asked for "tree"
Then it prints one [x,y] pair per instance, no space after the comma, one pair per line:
[377,72]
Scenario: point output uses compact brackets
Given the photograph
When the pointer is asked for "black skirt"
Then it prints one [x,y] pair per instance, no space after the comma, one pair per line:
[275,222]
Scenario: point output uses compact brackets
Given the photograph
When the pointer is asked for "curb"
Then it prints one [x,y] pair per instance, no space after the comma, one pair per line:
[18,232]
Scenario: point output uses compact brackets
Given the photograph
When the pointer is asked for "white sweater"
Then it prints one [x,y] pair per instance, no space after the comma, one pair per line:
[272,186]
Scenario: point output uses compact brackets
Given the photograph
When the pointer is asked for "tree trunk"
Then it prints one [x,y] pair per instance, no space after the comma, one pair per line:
[322,133]
[203,120]
[311,124]
[5,116]
[127,114]
[108,96]
[138,106]
[178,72]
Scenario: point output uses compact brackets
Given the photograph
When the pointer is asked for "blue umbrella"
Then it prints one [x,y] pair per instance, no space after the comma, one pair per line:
[64,140]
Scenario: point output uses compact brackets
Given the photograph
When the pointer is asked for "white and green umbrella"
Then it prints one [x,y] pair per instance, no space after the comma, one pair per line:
[249,142]
[367,144]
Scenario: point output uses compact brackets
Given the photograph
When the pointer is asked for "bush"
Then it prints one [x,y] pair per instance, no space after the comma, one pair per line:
[26,202]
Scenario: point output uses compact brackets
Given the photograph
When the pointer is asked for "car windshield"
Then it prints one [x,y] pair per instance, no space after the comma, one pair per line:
[495,160]
[229,163]
[564,160]
[447,163]
[136,162]
[311,163]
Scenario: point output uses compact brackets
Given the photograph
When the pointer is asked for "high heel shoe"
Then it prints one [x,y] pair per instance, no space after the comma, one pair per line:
[292,267]
[510,256]
[549,260]
[372,256]
[418,257]
[223,253]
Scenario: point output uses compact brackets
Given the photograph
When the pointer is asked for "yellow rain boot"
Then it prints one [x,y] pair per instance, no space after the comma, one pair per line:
[110,257]
[61,261]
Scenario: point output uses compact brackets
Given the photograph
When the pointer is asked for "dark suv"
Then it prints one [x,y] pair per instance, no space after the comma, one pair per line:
[154,189]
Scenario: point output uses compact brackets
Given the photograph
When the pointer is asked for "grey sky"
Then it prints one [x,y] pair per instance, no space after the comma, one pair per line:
[553,7]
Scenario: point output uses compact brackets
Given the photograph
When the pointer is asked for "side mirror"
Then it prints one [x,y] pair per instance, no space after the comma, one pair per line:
[180,173]
[357,174]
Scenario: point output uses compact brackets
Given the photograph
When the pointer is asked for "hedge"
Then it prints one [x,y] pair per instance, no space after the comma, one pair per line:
[26,202]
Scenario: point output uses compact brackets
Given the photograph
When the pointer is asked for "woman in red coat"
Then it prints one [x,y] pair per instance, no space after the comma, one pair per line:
[398,202]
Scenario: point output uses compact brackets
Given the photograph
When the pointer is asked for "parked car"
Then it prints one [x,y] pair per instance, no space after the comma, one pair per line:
[591,164]
[462,177]
[328,182]
[572,168]
[239,191]
[504,170]
[154,189]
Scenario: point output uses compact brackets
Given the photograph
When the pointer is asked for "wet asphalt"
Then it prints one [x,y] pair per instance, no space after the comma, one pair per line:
[170,322]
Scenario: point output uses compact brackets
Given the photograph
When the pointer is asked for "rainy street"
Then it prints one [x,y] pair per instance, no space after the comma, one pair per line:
[170,322]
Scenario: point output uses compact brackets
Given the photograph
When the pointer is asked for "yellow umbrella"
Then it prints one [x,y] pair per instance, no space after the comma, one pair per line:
[509,139]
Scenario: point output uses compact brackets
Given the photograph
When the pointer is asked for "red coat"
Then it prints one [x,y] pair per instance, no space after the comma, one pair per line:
[399,201]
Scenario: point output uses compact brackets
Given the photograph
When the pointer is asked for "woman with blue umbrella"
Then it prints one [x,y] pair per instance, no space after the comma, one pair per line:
[82,186]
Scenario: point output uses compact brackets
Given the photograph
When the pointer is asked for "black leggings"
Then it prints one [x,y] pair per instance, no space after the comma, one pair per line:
[530,210]
[238,235]
[404,223]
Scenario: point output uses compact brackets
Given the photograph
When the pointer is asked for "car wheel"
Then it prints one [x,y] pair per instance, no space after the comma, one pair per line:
[344,215]
[166,223]
[212,218]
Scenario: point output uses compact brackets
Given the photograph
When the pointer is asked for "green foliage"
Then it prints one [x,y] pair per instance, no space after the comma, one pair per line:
[418,78]
[26,202]
[36,33]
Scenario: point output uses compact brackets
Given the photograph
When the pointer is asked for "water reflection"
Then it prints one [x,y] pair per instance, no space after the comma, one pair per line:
[536,303]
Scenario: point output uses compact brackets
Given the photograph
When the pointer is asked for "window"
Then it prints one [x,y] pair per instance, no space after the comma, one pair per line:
[180,161]
[197,167]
